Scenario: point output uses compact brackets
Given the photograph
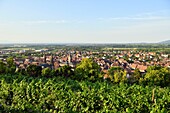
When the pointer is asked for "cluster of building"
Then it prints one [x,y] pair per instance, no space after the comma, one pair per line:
[129,60]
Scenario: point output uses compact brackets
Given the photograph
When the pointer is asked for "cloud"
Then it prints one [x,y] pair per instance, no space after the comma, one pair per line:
[38,22]
[61,21]
[140,18]
[157,15]
[7,23]
[46,22]
[154,13]
[52,22]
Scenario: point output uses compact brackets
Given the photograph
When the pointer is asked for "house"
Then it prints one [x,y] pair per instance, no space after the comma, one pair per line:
[142,68]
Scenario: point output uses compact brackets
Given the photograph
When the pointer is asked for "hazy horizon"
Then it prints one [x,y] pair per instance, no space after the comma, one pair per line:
[85,21]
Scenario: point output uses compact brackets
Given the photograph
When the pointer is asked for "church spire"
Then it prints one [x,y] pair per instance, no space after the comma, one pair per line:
[45,58]
[52,61]
[69,58]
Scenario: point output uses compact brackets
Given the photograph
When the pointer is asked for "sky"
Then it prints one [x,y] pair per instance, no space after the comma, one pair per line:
[84,21]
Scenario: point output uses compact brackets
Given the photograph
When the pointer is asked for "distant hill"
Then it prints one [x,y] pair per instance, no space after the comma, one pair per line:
[165,42]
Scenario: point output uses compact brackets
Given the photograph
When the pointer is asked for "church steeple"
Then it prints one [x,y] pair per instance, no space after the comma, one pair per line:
[45,58]
[52,61]
[69,58]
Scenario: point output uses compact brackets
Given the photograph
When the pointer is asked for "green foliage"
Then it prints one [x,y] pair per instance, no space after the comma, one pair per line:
[117,75]
[114,69]
[87,70]
[157,75]
[10,65]
[25,94]
[135,76]
[34,70]
[2,67]
[10,61]
[65,71]
[21,71]
[120,77]
[46,72]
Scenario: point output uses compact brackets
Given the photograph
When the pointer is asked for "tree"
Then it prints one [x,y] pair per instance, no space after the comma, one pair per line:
[114,69]
[34,70]
[10,61]
[87,69]
[46,72]
[136,76]
[2,67]
[120,77]
[10,65]
[157,75]
[21,71]
[65,71]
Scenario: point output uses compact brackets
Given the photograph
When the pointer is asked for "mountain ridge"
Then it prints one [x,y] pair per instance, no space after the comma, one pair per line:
[164,42]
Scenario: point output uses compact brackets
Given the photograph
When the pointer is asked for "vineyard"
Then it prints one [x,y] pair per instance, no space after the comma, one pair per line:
[27,94]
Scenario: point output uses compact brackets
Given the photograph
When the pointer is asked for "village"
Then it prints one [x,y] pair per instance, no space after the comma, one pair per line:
[127,59]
